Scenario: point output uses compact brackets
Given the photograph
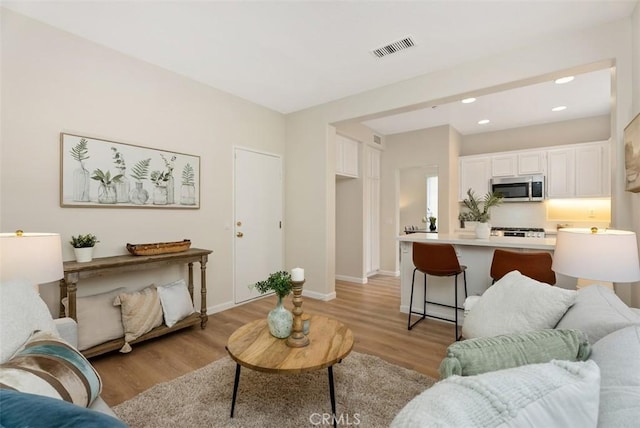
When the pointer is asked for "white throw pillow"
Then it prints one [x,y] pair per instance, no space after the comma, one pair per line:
[176,302]
[597,312]
[618,356]
[515,304]
[22,312]
[556,394]
[98,320]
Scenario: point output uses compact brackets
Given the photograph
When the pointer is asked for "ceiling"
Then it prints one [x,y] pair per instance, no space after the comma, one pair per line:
[291,55]
[588,95]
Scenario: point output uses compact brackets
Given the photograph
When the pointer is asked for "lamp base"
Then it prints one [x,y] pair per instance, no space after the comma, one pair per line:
[583,282]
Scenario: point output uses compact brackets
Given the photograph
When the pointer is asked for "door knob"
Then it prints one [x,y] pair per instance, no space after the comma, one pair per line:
[239,234]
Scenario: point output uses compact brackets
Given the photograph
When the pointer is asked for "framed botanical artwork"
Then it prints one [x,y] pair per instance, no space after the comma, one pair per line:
[632,155]
[102,173]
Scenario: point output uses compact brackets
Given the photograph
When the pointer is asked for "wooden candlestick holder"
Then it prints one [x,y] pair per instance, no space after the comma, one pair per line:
[297,339]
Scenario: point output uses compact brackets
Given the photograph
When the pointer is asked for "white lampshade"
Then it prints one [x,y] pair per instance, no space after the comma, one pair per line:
[610,255]
[36,257]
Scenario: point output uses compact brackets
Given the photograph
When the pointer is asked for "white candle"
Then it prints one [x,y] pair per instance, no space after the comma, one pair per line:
[297,274]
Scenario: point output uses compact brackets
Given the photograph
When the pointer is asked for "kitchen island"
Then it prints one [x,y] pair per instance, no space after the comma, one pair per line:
[476,254]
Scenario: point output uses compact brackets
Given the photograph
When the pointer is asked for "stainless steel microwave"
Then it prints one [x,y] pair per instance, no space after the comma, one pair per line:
[527,188]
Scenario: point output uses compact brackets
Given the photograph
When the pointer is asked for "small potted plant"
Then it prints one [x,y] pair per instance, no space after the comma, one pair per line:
[432,223]
[280,319]
[464,217]
[83,246]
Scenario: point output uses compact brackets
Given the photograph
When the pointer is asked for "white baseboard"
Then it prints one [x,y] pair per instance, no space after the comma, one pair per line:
[319,296]
[352,279]
[219,308]
[389,272]
[228,305]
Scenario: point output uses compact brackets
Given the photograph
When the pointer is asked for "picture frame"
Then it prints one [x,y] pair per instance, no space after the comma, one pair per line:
[99,173]
[632,155]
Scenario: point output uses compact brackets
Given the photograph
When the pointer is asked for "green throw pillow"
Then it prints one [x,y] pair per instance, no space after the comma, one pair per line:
[485,354]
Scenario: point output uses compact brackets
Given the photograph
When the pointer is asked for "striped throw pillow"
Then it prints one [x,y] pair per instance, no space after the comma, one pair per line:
[49,366]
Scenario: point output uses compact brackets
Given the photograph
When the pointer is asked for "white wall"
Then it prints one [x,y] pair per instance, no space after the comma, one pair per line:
[310,155]
[53,81]
[635,199]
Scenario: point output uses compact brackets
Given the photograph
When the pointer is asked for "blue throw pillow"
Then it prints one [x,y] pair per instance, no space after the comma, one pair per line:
[20,409]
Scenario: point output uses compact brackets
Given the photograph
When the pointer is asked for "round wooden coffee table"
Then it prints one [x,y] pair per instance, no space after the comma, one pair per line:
[252,346]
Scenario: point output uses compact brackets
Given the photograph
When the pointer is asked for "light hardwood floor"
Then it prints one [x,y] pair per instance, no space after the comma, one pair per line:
[370,310]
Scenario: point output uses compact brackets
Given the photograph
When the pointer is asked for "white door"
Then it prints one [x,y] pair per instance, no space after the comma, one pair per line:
[258,249]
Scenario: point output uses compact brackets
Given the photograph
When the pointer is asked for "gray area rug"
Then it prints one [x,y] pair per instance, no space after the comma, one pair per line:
[369,393]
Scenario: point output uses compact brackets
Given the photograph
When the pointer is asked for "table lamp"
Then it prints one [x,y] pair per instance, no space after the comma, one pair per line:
[36,257]
[597,256]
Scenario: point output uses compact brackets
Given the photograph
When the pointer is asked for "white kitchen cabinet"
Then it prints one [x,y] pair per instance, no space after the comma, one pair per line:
[581,171]
[561,173]
[511,164]
[346,156]
[505,165]
[475,173]
[593,171]
[531,162]
[571,171]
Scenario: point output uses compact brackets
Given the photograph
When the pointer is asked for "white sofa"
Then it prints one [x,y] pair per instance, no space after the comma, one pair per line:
[602,391]
[22,312]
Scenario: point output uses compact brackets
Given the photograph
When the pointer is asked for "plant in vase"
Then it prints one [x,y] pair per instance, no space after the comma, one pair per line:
[188,190]
[80,152]
[107,193]
[159,180]
[280,319]
[169,175]
[83,246]
[480,210]
[122,185]
[140,172]
[432,223]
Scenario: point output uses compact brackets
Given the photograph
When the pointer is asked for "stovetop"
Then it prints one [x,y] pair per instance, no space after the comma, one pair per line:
[520,232]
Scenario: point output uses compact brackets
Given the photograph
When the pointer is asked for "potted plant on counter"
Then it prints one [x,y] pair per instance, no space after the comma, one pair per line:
[480,211]
[432,223]
[83,247]
[280,319]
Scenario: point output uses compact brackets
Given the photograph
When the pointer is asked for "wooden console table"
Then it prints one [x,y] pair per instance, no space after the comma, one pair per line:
[74,271]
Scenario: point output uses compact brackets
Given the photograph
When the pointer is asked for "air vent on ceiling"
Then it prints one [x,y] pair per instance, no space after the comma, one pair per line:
[394,47]
[377,139]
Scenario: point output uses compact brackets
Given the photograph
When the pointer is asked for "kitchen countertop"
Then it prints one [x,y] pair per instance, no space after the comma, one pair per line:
[471,240]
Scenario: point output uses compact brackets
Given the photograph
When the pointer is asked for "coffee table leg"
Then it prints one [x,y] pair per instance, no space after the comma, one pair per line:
[332,394]
[235,388]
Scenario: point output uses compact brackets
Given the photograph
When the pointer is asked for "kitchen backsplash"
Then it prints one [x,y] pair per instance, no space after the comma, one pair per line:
[550,213]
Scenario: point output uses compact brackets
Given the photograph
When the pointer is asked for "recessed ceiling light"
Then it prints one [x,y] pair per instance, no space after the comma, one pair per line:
[468,100]
[559,108]
[483,121]
[566,79]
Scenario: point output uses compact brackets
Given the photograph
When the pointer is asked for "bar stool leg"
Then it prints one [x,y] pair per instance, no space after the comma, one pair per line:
[455,290]
[411,300]
[464,275]
[424,295]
